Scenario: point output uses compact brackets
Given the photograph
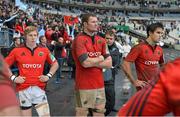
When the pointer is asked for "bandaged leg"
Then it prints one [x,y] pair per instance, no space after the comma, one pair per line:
[43,109]
[99,109]
[81,111]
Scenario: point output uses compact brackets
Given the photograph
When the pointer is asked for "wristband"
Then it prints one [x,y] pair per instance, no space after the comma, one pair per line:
[49,75]
[13,77]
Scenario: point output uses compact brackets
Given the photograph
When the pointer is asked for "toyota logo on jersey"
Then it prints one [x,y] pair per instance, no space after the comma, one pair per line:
[151,62]
[34,66]
[94,54]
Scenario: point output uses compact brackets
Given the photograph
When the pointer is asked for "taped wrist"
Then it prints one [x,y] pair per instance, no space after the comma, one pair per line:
[13,77]
[49,75]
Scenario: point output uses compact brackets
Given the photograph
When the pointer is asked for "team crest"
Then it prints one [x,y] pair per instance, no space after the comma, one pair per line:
[41,54]
[99,41]
[159,53]
[146,51]
[23,54]
[85,41]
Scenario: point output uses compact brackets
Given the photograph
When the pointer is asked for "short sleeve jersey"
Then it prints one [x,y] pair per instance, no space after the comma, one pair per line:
[30,64]
[147,60]
[88,78]
[159,98]
[8,96]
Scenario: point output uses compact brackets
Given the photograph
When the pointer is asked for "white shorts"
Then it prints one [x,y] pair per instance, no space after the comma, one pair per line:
[31,96]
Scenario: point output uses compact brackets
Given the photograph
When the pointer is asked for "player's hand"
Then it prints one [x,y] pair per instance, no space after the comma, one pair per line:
[20,79]
[43,78]
[140,84]
[101,58]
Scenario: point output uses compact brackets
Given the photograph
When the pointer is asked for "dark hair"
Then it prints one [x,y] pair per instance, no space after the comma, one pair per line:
[152,27]
[85,17]
[15,38]
[40,38]
[110,32]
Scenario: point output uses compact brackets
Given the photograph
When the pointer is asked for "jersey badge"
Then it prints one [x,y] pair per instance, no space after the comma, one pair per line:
[146,51]
[41,54]
[99,41]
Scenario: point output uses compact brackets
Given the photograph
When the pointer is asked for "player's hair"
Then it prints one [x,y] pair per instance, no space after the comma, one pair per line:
[152,27]
[85,17]
[30,29]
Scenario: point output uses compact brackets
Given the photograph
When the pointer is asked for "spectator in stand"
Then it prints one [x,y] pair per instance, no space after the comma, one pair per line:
[60,55]
[43,43]
[126,49]
[20,26]
[48,34]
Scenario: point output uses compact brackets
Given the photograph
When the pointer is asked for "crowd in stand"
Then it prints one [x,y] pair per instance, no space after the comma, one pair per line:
[144,3]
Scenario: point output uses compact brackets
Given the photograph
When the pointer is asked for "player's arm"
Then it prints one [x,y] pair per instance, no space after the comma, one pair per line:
[90,62]
[54,66]
[107,63]
[82,54]
[127,69]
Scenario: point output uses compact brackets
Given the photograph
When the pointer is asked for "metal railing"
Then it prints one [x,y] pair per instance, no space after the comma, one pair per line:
[6,37]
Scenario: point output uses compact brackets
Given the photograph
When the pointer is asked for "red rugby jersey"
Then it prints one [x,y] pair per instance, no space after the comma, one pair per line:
[30,64]
[88,78]
[147,60]
[159,98]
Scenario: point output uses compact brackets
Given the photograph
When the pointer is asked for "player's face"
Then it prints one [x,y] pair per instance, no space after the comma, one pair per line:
[92,24]
[31,37]
[110,39]
[156,35]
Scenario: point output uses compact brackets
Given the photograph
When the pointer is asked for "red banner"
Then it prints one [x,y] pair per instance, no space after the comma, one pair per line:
[70,20]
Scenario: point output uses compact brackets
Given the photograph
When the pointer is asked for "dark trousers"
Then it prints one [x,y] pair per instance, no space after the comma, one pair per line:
[59,71]
[110,98]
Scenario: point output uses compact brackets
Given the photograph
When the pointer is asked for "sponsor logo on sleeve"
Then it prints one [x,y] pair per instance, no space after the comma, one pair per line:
[52,57]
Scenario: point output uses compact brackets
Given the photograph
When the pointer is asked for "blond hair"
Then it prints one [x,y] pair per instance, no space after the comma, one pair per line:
[30,29]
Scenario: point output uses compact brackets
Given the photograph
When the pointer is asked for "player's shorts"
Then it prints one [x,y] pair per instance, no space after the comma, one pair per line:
[94,98]
[33,95]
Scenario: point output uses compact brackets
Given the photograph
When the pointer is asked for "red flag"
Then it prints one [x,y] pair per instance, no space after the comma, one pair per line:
[70,20]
